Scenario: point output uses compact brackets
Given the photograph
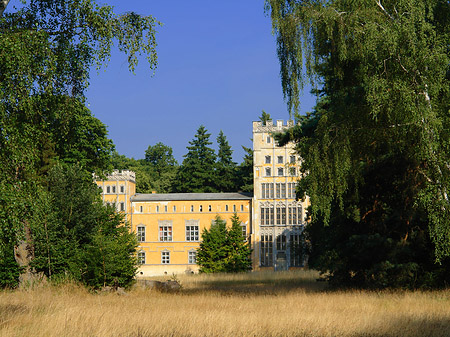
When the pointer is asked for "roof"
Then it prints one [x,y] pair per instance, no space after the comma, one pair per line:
[191,196]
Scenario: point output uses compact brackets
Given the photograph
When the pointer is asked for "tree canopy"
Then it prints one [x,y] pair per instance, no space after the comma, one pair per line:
[47,50]
[381,121]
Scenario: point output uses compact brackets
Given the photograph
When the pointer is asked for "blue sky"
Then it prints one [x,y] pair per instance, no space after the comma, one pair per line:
[217,66]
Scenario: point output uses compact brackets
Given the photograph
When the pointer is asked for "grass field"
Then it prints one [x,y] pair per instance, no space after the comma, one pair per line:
[256,304]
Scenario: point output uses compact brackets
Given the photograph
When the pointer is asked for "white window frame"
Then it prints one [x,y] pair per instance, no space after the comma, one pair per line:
[140,232]
[192,256]
[192,230]
[141,257]
[165,257]
[280,172]
[165,231]
[268,159]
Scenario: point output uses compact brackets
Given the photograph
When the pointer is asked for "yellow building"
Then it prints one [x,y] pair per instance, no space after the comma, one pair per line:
[169,226]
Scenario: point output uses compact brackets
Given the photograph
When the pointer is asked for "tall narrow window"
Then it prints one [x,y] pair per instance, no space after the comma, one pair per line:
[209,208]
[165,257]
[296,250]
[244,231]
[141,257]
[192,208]
[263,191]
[174,208]
[278,216]
[272,210]
[268,139]
[292,159]
[268,172]
[141,209]
[281,242]
[278,190]
[122,189]
[157,209]
[200,208]
[242,208]
[283,215]
[165,209]
[122,206]
[141,233]
[108,189]
[263,216]
[192,256]
[114,189]
[226,208]
[234,208]
[280,159]
[266,250]
[283,190]
[268,159]
[280,171]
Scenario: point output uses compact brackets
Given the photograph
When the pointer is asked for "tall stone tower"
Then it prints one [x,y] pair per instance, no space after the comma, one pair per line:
[278,219]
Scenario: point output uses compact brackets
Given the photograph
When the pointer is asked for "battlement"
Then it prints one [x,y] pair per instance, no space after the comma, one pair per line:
[272,127]
[122,175]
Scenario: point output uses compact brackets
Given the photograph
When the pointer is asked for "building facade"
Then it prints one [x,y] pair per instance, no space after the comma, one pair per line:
[278,218]
[169,226]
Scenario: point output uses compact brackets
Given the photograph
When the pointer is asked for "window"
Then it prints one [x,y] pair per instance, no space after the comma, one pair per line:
[192,208]
[244,231]
[226,208]
[280,159]
[108,189]
[278,190]
[281,215]
[141,209]
[268,139]
[165,230]
[280,171]
[267,215]
[192,230]
[141,257]
[200,208]
[292,216]
[268,172]
[174,209]
[291,190]
[283,191]
[122,189]
[192,256]
[209,208]
[296,250]
[292,171]
[141,234]
[157,209]
[122,206]
[266,250]
[234,208]
[165,257]
[292,159]
[268,159]
[242,208]
[281,242]
[114,189]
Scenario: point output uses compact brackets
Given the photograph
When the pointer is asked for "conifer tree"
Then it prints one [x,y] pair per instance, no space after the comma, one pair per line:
[197,172]
[213,251]
[245,172]
[238,250]
[226,167]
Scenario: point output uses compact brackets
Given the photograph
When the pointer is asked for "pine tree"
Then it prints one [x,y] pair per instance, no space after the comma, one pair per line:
[212,252]
[197,172]
[238,250]
[245,172]
[226,168]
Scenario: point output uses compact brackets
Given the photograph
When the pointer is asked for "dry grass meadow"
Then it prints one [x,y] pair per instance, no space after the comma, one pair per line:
[256,304]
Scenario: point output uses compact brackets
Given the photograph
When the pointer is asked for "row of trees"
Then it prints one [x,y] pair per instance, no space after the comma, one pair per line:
[376,147]
[52,220]
[202,170]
